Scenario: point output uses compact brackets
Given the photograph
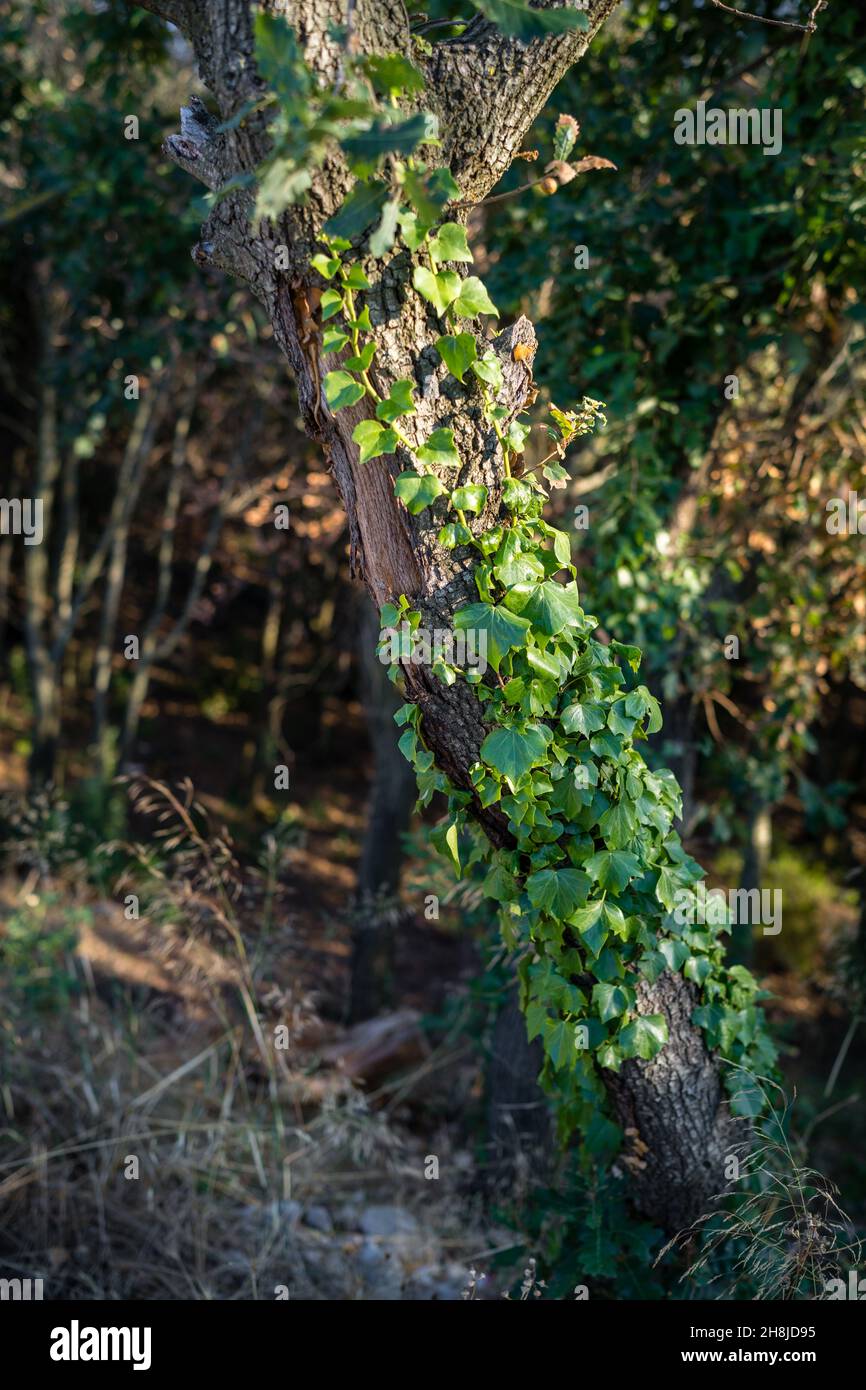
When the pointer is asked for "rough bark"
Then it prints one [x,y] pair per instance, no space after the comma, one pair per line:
[679,1131]
[486,90]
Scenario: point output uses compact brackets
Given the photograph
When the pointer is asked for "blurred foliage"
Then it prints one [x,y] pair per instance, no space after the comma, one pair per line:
[92,208]
[815,905]
[36,948]
[706,263]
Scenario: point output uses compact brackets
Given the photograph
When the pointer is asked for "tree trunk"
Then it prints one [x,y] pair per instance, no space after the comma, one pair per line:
[756,857]
[519,1128]
[393,792]
[486,90]
[392,797]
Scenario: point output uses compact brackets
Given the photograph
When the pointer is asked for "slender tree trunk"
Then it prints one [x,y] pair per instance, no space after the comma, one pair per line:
[392,797]
[45,667]
[393,792]
[486,90]
[519,1125]
[759,846]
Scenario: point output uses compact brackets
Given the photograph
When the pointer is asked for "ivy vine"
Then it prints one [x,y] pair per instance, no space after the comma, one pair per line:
[587,893]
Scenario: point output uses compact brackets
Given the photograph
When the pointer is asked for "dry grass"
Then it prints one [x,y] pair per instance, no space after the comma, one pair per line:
[783,1235]
[155,1140]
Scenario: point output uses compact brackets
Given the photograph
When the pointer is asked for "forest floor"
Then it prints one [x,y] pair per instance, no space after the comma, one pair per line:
[185,1113]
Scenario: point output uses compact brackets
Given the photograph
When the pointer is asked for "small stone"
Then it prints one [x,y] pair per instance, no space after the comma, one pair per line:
[381,1274]
[319,1218]
[289,1212]
[346,1217]
[388,1222]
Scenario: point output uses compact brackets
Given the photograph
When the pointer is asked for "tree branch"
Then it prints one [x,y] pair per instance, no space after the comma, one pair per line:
[809,27]
[487,89]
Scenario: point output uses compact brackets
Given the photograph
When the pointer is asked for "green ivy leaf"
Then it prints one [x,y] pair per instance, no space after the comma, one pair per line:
[385,234]
[334,340]
[516,495]
[280,60]
[613,869]
[556,474]
[331,304]
[363,206]
[281,184]
[582,719]
[417,490]
[500,884]
[450,244]
[639,702]
[552,607]
[610,1055]
[470,498]
[546,665]
[327,266]
[558,892]
[445,838]
[536,1017]
[361,362]
[668,885]
[374,439]
[611,1000]
[615,919]
[393,74]
[428,190]
[518,20]
[439,450]
[452,843]
[559,1043]
[439,290]
[645,1037]
[472,299]
[632,655]
[503,630]
[676,953]
[454,534]
[618,825]
[587,920]
[652,964]
[697,969]
[457,352]
[355,279]
[399,402]
[386,137]
[513,753]
[342,390]
[488,369]
[561,544]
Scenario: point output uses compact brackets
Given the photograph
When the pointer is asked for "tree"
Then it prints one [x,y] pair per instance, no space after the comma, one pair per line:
[324,144]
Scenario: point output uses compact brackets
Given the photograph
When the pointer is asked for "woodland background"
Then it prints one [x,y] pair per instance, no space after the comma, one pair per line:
[311,907]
